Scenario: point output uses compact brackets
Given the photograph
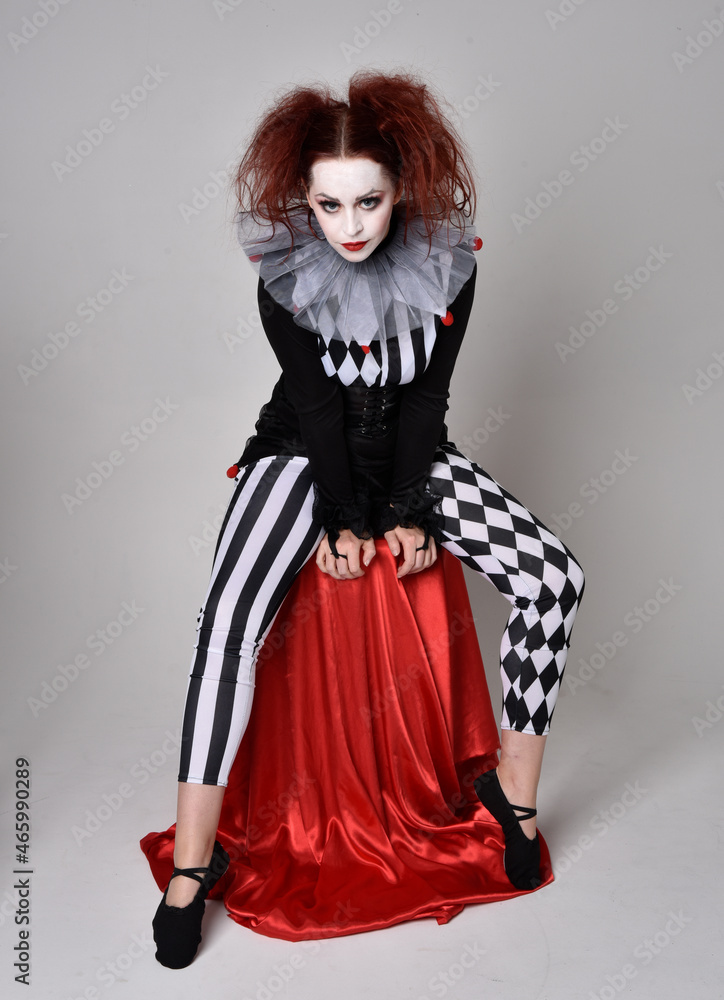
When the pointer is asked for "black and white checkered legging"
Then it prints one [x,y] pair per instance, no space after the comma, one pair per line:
[267,536]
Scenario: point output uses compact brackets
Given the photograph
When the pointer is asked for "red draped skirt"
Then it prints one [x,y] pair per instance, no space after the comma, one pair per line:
[350,804]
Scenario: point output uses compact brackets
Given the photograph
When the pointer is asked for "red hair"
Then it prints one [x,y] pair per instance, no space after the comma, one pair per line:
[392,119]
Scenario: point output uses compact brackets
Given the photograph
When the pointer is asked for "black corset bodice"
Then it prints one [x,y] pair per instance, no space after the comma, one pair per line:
[371,411]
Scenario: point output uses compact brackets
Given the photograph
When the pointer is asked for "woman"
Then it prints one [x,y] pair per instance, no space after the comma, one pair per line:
[355,214]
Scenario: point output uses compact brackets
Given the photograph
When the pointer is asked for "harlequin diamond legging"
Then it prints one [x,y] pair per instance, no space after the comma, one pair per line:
[267,536]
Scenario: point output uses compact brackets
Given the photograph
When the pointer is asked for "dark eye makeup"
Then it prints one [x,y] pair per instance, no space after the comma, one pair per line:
[328,206]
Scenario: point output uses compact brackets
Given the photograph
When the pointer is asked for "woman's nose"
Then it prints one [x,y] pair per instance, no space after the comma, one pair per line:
[352,224]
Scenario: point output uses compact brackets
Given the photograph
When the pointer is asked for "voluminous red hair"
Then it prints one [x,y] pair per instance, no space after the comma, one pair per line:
[392,119]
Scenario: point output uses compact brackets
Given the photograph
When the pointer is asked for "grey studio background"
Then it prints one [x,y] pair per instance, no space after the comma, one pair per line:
[590,385]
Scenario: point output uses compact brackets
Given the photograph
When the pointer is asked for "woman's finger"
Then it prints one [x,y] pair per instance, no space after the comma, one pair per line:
[350,565]
[331,564]
[409,546]
[393,542]
[322,553]
[421,559]
[369,550]
[424,557]
[344,567]
[430,554]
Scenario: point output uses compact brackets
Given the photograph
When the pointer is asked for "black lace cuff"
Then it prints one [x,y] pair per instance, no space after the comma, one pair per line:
[419,509]
[334,516]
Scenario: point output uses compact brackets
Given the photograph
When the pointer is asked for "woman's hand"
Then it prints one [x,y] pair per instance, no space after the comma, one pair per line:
[351,550]
[409,541]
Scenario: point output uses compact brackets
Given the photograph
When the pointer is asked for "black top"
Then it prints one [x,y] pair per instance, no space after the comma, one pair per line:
[367,448]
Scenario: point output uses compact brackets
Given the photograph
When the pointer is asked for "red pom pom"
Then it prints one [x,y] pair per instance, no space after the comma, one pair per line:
[365,348]
[295,307]
[476,243]
[232,471]
[255,257]
[447,319]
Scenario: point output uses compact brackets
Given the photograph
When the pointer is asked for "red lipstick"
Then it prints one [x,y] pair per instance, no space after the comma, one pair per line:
[355,246]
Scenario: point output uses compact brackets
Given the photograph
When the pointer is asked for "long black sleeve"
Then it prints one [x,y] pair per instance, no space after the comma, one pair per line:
[424,402]
[317,400]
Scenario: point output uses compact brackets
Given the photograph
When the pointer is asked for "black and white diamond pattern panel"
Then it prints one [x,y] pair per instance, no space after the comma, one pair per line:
[390,361]
[493,533]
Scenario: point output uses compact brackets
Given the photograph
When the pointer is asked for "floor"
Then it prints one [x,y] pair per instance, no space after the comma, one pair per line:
[629,811]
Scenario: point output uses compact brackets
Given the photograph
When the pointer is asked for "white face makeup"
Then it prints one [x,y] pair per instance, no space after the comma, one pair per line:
[352,200]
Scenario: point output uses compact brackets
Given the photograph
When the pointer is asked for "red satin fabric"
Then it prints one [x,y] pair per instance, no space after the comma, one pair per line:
[350,804]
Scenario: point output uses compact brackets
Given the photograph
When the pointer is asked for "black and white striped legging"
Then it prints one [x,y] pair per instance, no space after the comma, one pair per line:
[267,536]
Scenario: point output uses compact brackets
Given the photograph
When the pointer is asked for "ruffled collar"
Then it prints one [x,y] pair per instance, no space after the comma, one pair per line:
[400,287]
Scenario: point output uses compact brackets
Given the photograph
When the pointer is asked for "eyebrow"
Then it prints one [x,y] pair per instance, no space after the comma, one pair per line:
[362,197]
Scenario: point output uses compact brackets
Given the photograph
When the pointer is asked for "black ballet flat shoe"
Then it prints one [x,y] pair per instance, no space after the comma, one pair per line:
[521,857]
[177,929]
